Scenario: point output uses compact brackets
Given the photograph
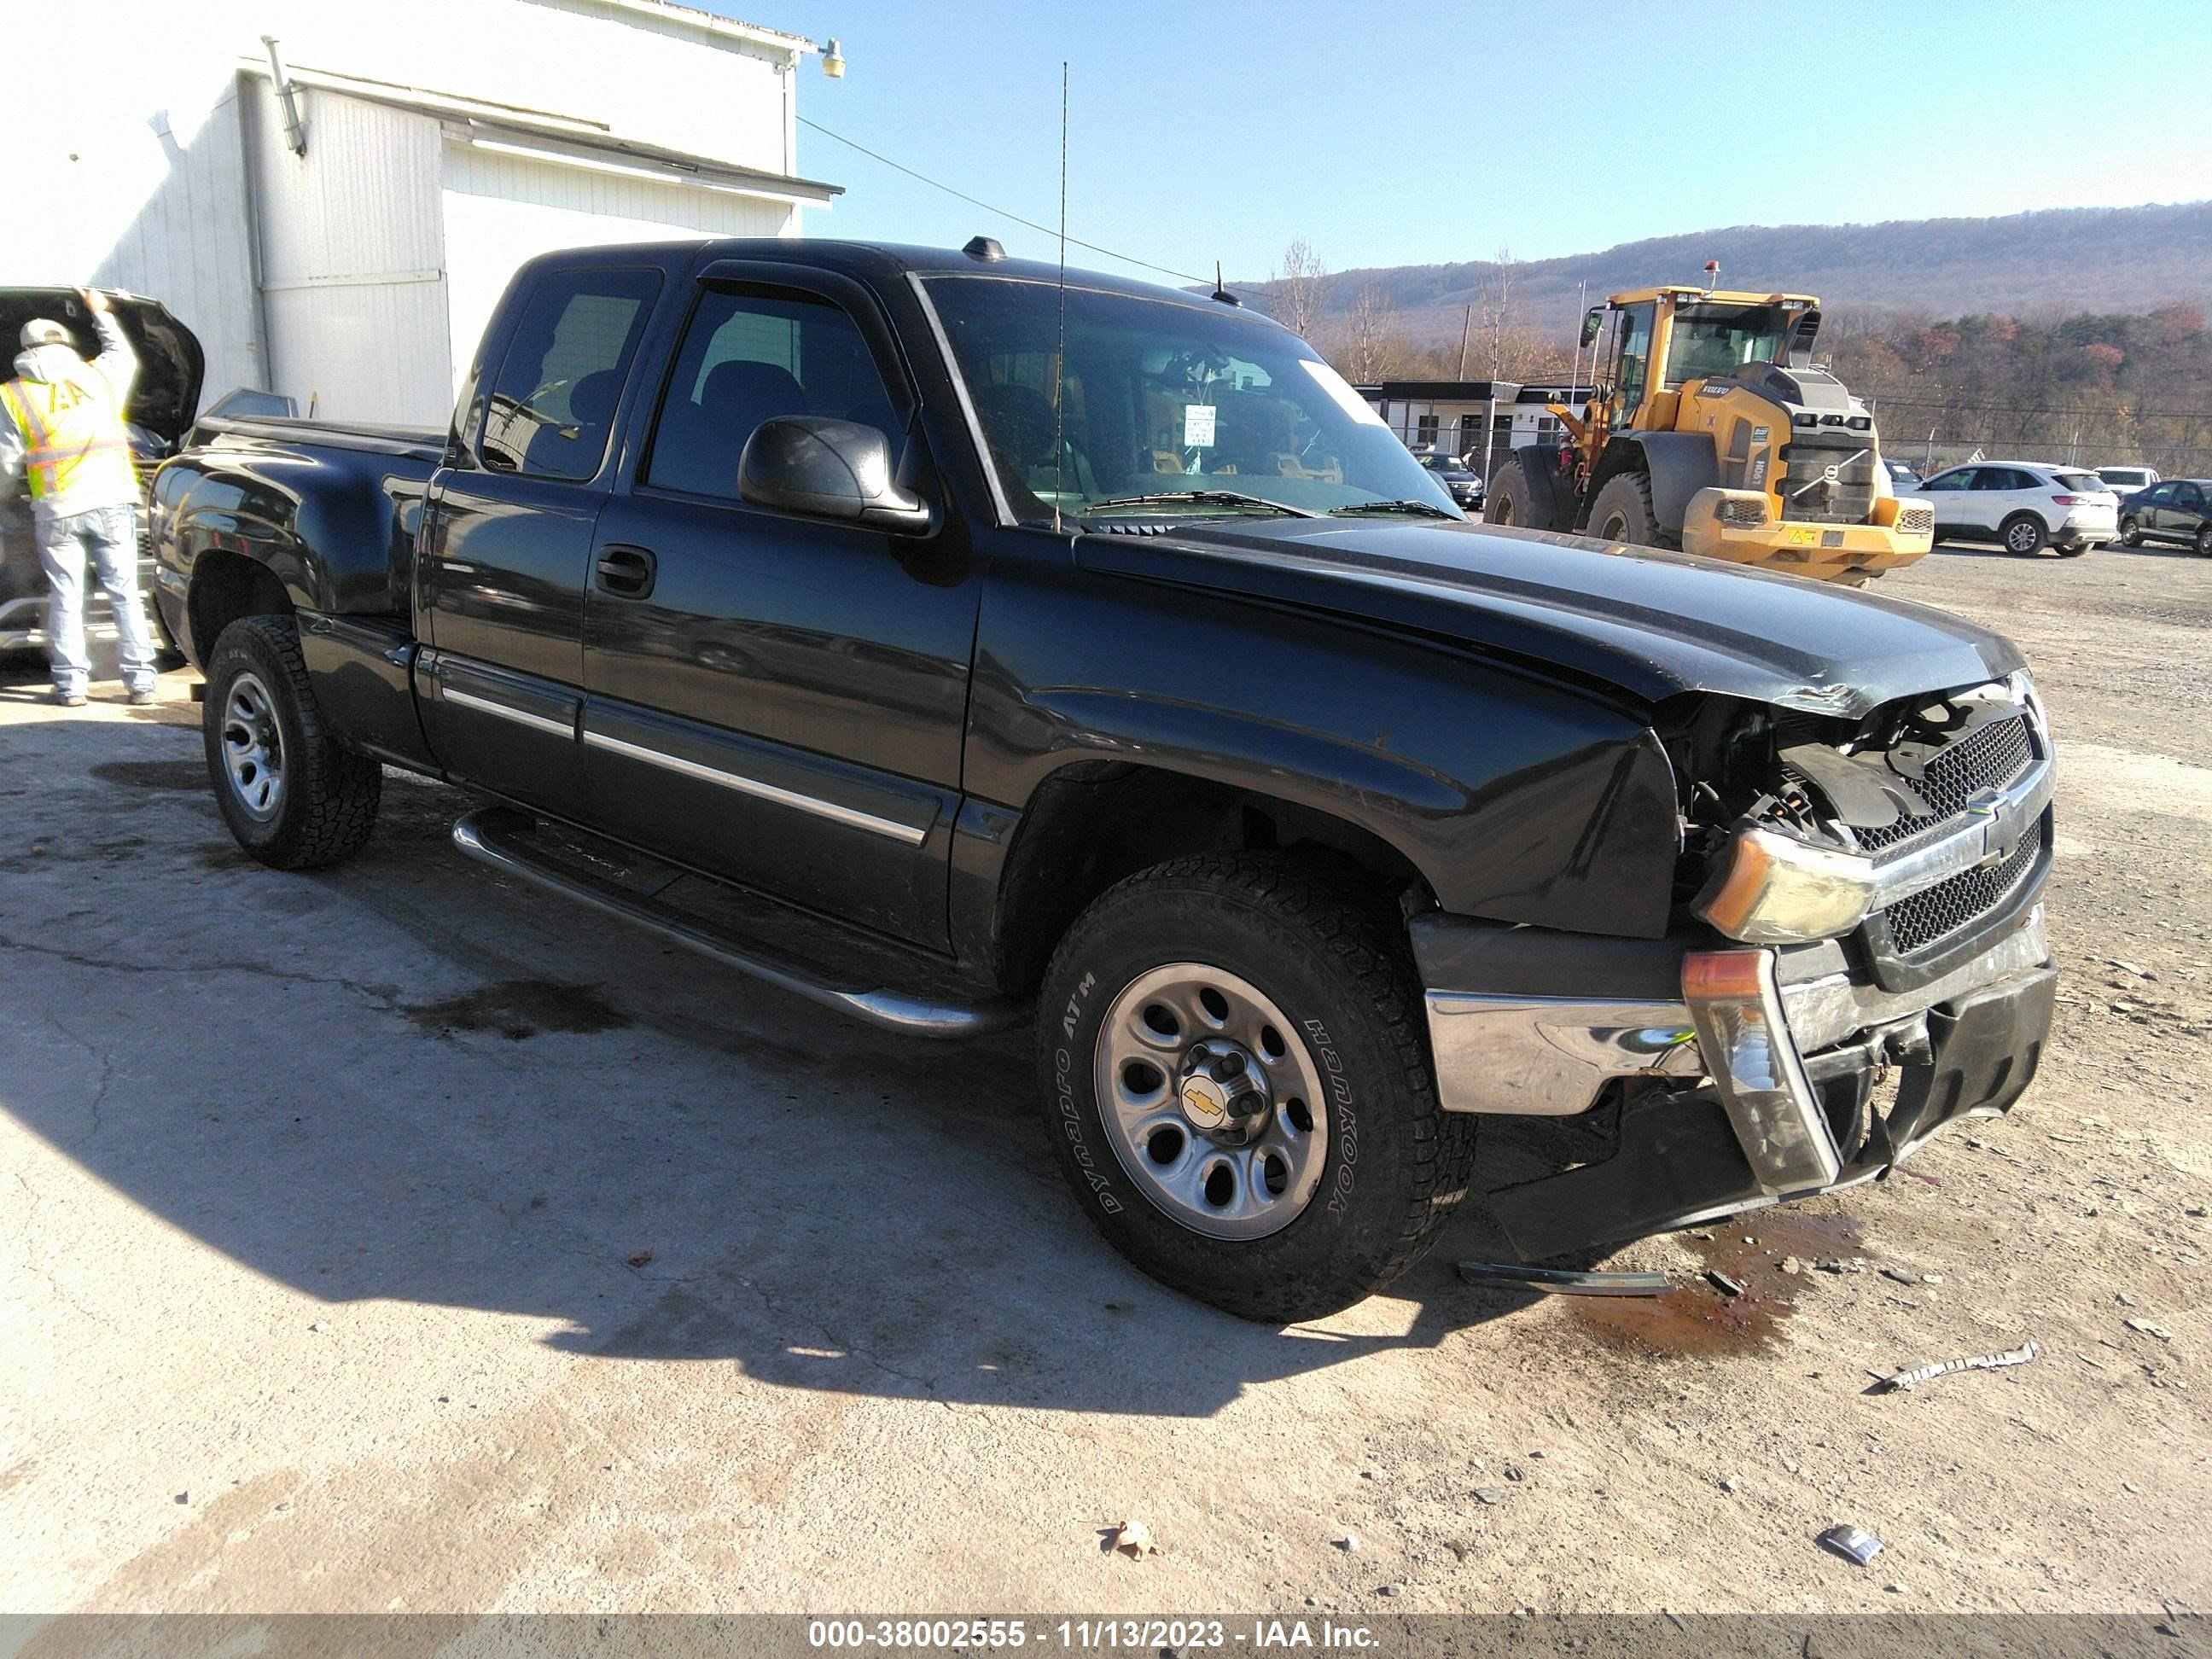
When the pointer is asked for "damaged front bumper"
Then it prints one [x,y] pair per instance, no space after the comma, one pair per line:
[1759,1066]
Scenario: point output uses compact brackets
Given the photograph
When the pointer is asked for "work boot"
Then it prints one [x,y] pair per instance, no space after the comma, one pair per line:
[69,698]
[142,698]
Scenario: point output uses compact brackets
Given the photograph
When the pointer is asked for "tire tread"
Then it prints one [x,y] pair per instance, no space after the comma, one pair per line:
[1375,962]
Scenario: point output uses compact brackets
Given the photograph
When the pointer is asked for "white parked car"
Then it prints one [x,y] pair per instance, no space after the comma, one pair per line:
[2126,480]
[2026,505]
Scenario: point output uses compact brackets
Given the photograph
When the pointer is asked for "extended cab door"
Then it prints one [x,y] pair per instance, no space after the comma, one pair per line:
[507,542]
[770,698]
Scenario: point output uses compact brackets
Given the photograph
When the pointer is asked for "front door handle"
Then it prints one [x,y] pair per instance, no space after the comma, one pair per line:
[626,571]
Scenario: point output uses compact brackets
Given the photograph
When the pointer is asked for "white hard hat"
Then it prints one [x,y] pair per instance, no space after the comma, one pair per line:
[44,330]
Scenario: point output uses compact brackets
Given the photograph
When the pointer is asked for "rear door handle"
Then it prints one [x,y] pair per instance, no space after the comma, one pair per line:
[626,571]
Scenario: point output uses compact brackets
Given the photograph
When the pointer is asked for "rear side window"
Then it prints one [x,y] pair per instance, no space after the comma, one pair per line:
[2079,481]
[552,407]
[749,356]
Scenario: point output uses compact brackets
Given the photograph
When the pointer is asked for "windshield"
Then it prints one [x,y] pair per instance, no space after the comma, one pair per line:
[1449,466]
[1711,340]
[1164,399]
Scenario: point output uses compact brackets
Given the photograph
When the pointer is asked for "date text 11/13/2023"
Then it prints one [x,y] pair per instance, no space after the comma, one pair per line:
[1131,1635]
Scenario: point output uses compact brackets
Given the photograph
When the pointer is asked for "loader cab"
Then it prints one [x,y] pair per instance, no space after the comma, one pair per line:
[1664,338]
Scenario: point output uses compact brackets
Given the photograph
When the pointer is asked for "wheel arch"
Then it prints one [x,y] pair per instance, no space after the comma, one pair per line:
[1091,823]
[1678,464]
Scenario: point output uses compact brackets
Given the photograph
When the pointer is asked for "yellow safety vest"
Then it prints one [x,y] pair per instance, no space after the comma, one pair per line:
[74,441]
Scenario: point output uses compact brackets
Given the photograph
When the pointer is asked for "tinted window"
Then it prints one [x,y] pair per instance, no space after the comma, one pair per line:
[2159,495]
[1958,480]
[552,404]
[1999,477]
[2081,481]
[749,357]
[2188,498]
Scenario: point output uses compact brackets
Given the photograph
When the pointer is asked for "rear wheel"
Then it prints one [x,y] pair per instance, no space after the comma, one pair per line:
[2023,532]
[1622,512]
[1231,1055]
[2130,533]
[1509,500]
[292,796]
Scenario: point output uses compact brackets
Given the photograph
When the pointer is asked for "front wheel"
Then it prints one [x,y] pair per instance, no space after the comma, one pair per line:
[2204,539]
[1507,500]
[2023,532]
[1232,1062]
[1622,512]
[293,797]
[2130,533]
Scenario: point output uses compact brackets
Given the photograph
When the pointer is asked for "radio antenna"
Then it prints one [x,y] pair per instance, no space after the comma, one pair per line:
[1060,344]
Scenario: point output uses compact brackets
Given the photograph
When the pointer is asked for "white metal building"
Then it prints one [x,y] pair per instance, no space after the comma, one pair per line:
[350,255]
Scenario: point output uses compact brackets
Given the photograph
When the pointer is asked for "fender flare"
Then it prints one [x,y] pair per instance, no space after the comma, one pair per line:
[1678,464]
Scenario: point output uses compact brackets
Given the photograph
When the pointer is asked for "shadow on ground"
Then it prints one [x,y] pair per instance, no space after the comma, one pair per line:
[407,1079]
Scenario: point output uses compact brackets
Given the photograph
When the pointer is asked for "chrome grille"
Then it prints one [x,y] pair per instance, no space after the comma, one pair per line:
[1929,918]
[1989,758]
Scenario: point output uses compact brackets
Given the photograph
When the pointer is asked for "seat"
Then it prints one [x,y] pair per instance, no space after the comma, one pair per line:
[573,449]
[700,442]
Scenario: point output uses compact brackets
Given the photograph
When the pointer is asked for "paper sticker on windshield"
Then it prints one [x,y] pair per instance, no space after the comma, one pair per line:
[1340,393]
[1198,426]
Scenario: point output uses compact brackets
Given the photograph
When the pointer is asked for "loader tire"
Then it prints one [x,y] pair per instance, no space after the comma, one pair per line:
[1622,512]
[1510,501]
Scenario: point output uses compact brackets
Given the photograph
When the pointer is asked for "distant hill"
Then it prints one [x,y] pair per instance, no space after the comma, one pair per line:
[2038,264]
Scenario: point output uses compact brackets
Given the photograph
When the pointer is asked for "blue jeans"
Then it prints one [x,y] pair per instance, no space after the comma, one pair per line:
[109,537]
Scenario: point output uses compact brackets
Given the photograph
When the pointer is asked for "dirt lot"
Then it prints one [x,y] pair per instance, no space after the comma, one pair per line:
[324,1281]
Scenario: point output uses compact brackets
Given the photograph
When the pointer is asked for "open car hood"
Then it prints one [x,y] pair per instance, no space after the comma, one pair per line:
[170,362]
[1650,623]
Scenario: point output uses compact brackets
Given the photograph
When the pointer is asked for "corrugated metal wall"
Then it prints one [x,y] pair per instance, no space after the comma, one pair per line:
[501,209]
[353,258]
[132,177]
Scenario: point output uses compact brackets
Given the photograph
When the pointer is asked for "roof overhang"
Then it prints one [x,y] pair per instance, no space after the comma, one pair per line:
[563,140]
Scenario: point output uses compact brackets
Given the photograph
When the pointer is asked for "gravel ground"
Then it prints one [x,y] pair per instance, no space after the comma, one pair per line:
[393,1239]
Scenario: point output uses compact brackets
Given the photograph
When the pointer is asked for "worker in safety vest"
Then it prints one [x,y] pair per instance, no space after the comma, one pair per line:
[61,427]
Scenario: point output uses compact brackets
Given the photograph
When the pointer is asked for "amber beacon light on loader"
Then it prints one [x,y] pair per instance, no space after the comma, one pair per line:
[1710,430]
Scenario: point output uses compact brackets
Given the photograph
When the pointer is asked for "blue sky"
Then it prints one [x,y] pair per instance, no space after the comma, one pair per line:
[1220,129]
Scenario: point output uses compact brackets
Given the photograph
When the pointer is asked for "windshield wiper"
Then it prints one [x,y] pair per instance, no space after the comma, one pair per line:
[1427,509]
[1205,498]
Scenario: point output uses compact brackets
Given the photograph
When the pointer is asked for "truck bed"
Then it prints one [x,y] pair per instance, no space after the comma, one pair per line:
[420,443]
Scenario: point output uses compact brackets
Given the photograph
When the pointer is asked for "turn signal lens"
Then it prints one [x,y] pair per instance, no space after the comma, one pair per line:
[1774,891]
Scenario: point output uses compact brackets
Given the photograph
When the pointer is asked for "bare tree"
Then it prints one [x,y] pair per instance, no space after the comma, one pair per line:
[1372,350]
[1295,290]
[1495,304]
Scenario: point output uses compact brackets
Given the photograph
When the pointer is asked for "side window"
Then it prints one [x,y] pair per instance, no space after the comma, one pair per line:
[1959,480]
[754,356]
[2189,498]
[1635,360]
[552,407]
[2160,496]
[1994,477]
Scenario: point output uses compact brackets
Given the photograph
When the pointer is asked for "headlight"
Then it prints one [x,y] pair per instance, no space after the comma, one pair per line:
[1774,891]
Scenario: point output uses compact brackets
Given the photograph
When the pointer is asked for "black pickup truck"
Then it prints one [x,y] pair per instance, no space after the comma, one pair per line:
[959,648]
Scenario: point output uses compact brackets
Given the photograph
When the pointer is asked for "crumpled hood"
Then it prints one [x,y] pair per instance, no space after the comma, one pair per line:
[1652,625]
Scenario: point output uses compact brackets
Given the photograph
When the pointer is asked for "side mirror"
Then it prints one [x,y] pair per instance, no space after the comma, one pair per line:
[829,469]
[1593,320]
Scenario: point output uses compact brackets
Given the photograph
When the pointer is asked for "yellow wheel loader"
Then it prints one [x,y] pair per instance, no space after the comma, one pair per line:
[1711,431]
